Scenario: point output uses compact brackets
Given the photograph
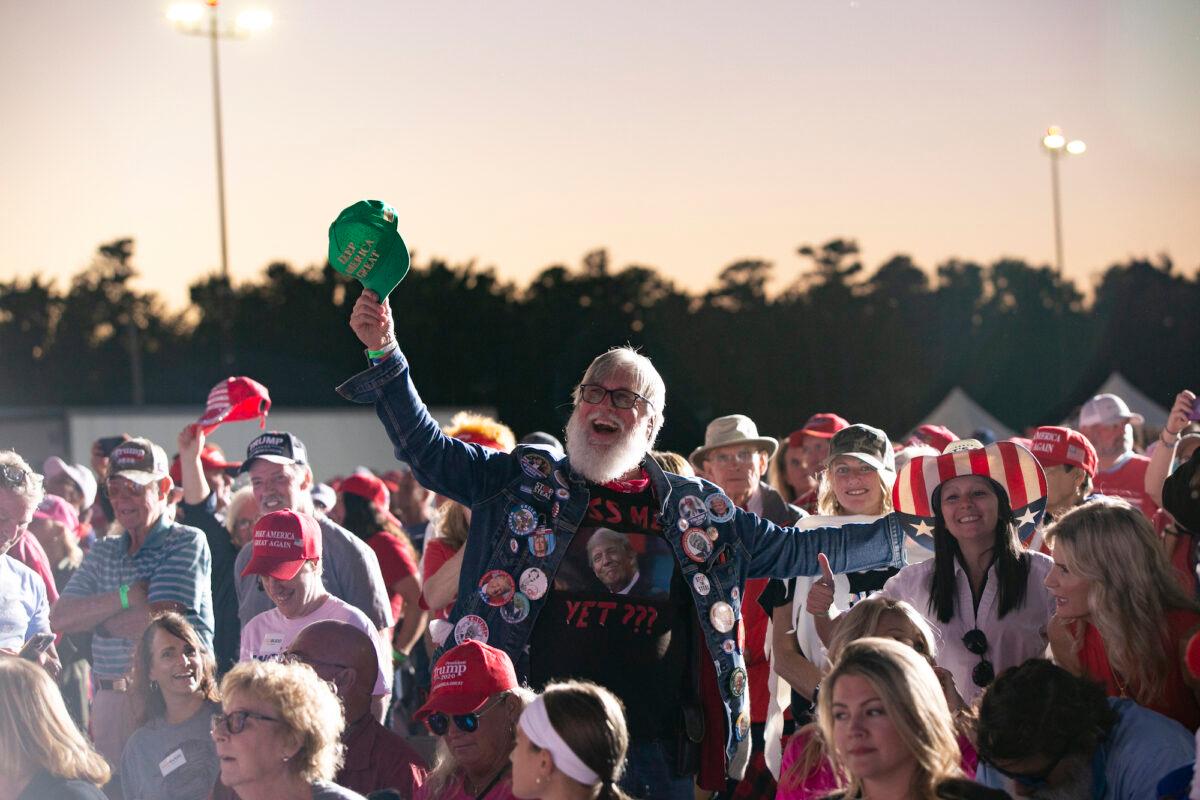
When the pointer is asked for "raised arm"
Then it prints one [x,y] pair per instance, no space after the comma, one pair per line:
[859,544]
[461,471]
[1160,462]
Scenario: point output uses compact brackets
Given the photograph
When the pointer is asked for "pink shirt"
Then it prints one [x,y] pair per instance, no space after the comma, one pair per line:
[266,636]
[1019,636]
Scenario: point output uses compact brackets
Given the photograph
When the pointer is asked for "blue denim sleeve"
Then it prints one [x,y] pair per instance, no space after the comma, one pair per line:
[778,552]
[461,471]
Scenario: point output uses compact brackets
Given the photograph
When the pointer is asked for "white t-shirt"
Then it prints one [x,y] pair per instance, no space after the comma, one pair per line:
[266,636]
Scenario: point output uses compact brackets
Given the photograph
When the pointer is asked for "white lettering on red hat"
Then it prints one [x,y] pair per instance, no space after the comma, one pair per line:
[448,673]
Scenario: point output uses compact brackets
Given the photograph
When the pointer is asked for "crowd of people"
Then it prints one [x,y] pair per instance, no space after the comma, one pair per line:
[833,613]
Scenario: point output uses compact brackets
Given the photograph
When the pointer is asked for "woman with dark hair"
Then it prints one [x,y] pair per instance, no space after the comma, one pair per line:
[364,501]
[571,743]
[171,756]
[982,592]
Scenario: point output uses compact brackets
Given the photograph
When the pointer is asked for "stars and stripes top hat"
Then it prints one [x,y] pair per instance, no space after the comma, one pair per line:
[1008,464]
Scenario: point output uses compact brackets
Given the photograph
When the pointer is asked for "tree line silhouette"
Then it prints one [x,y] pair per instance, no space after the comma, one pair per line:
[882,348]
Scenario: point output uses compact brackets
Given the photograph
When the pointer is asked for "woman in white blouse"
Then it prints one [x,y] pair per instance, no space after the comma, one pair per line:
[981,592]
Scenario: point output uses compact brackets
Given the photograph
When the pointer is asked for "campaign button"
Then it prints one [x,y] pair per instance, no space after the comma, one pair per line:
[560,478]
[543,490]
[517,609]
[737,682]
[535,466]
[696,545]
[513,545]
[735,593]
[720,508]
[683,524]
[691,508]
[721,616]
[727,646]
[701,584]
[497,587]
[534,583]
[712,532]
[471,627]
[522,519]
[541,542]
[561,494]
[742,728]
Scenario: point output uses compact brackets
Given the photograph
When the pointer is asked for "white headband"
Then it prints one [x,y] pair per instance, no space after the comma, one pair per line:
[536,724]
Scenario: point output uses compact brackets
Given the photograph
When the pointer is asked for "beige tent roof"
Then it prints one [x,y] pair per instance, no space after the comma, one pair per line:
[961,414]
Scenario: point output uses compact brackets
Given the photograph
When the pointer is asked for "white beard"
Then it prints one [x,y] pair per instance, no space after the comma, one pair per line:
[607,464]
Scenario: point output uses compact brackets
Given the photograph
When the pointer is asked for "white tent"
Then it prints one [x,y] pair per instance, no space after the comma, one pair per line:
[1138,402]
[961,414]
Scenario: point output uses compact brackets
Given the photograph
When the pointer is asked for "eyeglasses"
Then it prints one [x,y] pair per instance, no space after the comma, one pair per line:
[621,398]
[301,658]
[438,722]
[740,457]
[976,643]
[235,722]
[14,477]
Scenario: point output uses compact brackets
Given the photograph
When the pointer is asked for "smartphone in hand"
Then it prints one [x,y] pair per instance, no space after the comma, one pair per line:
[36,645]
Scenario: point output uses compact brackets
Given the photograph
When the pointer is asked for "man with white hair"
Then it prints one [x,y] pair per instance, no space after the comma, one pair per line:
[673,651]
[1108,423]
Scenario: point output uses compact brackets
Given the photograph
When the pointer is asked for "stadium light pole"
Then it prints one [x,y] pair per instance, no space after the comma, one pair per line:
[1056,146]
[202,19]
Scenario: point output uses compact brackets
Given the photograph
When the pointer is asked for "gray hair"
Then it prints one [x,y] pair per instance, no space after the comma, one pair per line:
[645,379]
[604,535]
[30,486]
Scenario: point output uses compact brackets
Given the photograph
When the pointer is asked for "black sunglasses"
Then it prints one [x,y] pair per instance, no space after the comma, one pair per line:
[14,477]
[439,723]
[621,398]
[976,643]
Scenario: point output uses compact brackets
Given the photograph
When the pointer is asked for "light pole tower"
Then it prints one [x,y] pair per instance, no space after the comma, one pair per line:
[1056,145]
[196,20]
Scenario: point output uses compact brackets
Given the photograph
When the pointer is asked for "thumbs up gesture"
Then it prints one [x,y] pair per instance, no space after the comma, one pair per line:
[820,596]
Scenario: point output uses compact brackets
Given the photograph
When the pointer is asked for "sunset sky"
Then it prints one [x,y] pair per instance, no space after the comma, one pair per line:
[680,135]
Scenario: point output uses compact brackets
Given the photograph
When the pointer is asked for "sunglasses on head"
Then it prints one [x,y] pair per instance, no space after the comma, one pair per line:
[12,477]
[976,643]
[439,722]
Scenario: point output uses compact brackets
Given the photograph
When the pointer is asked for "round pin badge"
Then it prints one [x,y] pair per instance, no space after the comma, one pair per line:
[471,627]
[712,533]
[683,524]
[720,507]
[541,542]
[700,584]
[721,616]
[562,494]
[696,545]
[727,646]
[534,583]
[517,609]
[737,682]
[514,545]
[560,478]
[691,508]
[497,587]
[535,466]
[734,594]
[522,519]
[742,727]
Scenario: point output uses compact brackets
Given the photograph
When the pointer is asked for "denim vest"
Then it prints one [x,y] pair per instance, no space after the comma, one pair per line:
[533,488]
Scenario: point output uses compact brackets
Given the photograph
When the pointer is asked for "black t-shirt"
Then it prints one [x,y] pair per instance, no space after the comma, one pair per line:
[618,614]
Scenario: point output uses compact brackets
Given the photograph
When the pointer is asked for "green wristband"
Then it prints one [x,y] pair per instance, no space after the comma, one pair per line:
[398,657]
[123,590]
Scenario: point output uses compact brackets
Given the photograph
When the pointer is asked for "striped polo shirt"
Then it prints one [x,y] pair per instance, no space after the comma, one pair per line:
[175,563]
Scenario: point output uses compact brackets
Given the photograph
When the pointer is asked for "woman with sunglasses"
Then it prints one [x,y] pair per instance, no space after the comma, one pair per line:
[171,755]
[883,711]
[473,707]
[278,736]
[981,592]
[1122,618]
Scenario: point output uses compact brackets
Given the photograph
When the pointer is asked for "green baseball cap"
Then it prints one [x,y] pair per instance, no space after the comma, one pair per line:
[364,244]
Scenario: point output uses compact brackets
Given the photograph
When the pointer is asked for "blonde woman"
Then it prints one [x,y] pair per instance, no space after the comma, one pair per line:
[42,753]
[1121,617]
[885,715]
[571,744]
[278,735]
[806,771]
[856,482]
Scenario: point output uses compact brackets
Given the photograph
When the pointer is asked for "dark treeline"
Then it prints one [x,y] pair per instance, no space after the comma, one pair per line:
[882,348]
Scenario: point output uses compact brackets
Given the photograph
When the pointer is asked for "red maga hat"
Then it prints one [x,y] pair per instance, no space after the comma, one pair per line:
[465,677]
[283,541]
[367,487]
[822,426]
[1054,446]
[235,399]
